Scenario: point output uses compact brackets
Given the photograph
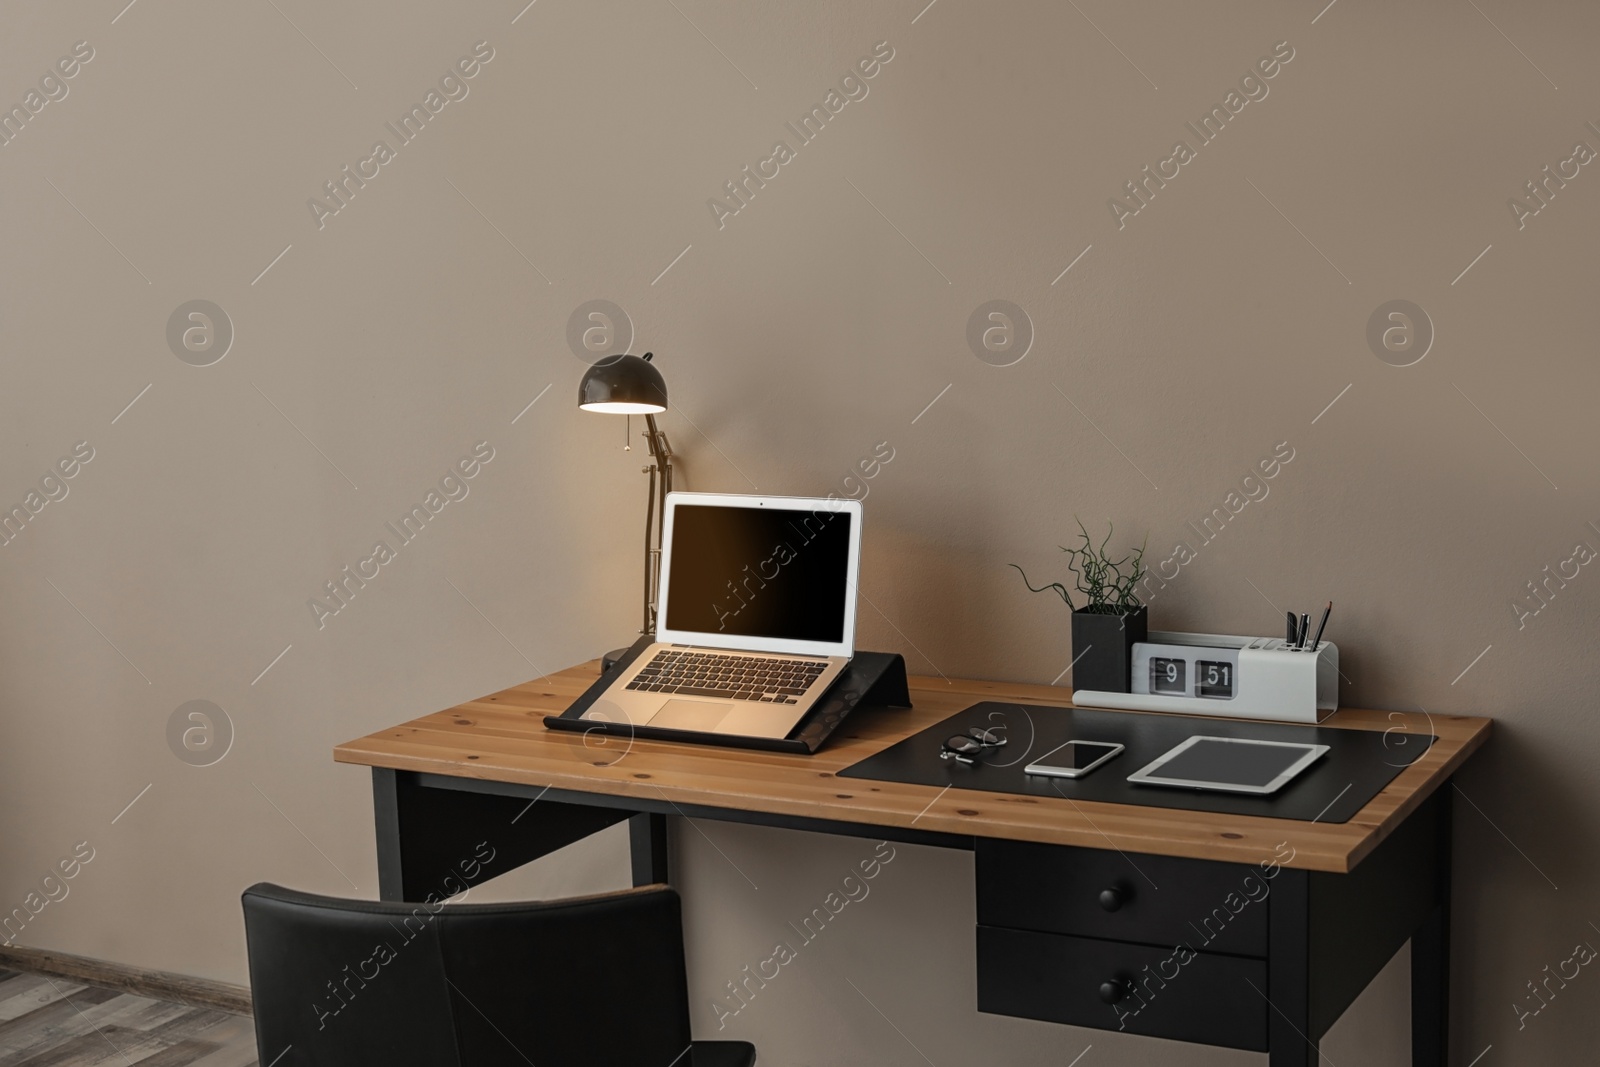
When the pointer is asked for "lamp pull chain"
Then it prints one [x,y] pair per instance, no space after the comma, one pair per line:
[627,433]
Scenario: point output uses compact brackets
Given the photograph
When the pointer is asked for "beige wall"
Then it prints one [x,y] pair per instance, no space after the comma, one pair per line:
[819,321]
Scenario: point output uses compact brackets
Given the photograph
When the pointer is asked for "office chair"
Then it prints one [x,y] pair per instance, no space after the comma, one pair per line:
[593,981]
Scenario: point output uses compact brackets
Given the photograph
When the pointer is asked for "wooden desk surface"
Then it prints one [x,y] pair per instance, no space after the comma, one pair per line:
[502,737]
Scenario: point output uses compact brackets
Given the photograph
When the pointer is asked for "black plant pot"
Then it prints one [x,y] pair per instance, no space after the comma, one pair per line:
[1102,648]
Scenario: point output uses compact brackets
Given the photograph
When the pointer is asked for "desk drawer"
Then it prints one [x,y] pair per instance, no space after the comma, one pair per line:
[1164,992]
[1090,892]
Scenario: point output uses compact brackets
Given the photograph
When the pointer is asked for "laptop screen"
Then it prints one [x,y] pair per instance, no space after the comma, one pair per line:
[759,572]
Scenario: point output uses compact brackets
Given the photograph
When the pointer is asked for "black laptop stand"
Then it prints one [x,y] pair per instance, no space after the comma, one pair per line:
[871,679]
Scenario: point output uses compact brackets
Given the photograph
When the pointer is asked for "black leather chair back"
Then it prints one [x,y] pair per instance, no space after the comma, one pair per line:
[574,983]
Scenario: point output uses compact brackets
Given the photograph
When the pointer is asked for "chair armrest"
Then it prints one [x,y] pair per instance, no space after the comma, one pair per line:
[722,1054]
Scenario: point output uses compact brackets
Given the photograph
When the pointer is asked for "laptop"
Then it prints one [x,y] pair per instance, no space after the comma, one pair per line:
[756,620]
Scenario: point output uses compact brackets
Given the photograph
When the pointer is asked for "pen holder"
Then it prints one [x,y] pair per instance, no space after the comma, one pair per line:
[1223,676]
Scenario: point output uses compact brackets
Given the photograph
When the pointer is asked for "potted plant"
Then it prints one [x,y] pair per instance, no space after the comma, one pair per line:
[1110,618]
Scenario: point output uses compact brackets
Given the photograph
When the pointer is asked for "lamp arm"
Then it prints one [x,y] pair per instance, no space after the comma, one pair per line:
[649,557]
[659,447]
[655,517]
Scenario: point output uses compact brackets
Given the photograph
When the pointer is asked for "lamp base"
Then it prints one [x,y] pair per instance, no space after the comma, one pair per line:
[611,659]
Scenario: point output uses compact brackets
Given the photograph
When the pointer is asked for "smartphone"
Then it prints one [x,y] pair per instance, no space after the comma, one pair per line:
[1073,759]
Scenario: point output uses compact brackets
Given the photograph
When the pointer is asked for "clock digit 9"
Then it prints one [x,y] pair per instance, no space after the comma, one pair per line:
[1169,676]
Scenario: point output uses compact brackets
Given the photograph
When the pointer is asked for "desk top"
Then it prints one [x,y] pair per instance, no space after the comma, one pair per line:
[502,737]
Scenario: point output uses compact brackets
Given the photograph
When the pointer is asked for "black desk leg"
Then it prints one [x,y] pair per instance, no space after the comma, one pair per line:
[434,842]
[1288,992]
[647,844]
[1430,959]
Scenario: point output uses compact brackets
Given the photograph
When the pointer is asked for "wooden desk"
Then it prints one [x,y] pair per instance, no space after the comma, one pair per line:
[1348,898]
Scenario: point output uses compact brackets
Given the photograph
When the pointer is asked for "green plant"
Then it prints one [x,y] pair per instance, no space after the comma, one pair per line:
[1107,586]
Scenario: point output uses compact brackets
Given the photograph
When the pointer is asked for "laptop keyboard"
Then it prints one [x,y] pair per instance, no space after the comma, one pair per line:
[714,674]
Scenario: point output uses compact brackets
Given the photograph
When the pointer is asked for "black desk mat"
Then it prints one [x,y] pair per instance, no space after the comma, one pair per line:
[1357,766]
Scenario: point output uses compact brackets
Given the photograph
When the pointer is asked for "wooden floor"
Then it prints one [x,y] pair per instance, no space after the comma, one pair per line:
[55,1022]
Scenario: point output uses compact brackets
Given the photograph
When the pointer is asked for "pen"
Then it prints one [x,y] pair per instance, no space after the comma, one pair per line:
[1290,633]
[1305,628]
[1322,626]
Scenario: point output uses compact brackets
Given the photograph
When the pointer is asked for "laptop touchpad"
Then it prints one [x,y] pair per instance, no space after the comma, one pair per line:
[690,715]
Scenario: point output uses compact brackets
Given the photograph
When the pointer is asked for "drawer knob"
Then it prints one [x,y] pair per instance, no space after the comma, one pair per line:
[1113,991]
[1112,899]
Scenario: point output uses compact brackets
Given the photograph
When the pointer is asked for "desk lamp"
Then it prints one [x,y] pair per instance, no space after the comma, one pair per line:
[631,385]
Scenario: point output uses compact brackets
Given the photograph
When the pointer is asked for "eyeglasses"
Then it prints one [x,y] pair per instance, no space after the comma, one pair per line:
[965,748]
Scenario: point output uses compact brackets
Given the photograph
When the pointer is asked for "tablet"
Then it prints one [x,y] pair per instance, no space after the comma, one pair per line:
[1230,765]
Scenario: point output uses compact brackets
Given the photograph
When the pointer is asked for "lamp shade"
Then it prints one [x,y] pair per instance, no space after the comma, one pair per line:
[623,385]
